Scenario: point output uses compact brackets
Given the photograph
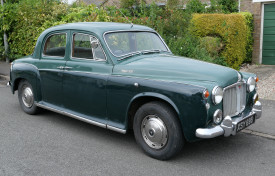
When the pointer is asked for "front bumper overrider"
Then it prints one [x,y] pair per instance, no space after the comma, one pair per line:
[228,125]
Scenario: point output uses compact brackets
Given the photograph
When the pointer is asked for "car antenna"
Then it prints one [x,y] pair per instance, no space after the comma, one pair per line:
[132,24]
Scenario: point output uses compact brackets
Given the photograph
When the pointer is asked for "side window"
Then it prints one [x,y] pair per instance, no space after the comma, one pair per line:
[97,51]
[55,45]
[82,48]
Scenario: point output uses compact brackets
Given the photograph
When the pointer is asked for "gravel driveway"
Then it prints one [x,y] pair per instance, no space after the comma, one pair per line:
[266,84]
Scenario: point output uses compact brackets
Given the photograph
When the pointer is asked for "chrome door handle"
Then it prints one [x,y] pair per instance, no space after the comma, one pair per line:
[60,68]
[68,68]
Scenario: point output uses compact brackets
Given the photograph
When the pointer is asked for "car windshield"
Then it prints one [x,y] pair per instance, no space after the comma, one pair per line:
[126,43]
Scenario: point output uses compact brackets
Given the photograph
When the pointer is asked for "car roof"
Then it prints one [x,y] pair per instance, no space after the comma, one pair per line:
[98,27]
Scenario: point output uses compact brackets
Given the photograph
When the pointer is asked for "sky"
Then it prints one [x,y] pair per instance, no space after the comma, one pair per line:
[69,1]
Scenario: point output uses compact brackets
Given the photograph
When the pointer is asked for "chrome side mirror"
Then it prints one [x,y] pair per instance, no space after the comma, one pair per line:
[94,44]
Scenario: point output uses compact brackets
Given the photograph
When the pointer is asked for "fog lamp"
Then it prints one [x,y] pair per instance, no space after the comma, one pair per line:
[217,117]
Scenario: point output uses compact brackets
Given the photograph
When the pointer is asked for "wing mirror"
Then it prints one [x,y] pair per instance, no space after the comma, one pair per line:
[94,44]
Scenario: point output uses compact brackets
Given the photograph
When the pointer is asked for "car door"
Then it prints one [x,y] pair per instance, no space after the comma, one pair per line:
[51,64]
[85,78]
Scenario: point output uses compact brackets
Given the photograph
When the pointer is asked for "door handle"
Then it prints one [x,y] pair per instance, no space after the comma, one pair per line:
[60,68]
[68,68]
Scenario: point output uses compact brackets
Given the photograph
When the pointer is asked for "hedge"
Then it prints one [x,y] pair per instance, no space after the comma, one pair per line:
[231,28]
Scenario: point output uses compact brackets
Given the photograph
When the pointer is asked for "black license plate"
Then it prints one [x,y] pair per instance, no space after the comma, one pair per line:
[245,123]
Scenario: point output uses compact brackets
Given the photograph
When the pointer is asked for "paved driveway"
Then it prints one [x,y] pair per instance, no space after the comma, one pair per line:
[53,144]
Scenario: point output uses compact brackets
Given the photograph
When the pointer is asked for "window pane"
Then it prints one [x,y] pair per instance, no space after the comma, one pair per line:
[118,43]
[123,43]
[98,53]
[55,45]
[82,46]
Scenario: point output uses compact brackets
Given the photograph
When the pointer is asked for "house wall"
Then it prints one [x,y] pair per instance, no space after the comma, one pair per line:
[256,9]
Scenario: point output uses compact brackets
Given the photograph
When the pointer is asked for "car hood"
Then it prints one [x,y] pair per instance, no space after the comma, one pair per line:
[178,69]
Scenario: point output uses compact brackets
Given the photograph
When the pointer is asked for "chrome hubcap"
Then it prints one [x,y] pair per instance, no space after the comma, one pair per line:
[154,132]
[27,96]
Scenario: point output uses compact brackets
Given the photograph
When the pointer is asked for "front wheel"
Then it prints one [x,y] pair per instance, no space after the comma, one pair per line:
[158,131]
[26,97]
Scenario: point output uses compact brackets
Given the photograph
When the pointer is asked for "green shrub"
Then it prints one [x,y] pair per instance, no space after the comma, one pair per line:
[30,18]
[129,3]
[195,6]
[250,25]
[231,28]
[228,6]
[213,45]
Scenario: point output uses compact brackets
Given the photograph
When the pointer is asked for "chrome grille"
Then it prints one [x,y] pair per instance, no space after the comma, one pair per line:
[234,99]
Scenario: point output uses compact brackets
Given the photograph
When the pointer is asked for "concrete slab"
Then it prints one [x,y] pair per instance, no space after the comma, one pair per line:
[266,124]
[266,84]
[4,68]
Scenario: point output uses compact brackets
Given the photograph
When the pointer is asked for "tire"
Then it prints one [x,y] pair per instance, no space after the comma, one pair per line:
[158,131]
[26,97]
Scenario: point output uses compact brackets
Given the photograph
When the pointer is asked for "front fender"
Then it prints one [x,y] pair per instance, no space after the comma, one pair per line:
[28,72]
[155,95]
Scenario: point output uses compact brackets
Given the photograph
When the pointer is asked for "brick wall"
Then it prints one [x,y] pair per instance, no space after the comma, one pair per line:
[256,10]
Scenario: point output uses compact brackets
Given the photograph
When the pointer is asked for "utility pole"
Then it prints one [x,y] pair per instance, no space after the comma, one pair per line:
[6,44]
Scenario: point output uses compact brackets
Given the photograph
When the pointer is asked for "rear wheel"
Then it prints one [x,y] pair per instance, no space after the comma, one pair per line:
[158,130]
[26,97]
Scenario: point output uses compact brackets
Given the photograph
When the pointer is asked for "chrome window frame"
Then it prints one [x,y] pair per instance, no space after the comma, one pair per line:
[78,58]
[44,42]
[118,31]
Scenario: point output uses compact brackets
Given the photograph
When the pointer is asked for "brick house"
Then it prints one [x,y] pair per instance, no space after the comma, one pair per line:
[264,25]
[264,29]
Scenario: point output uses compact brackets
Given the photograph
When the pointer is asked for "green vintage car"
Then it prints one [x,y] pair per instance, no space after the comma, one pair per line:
[123,76]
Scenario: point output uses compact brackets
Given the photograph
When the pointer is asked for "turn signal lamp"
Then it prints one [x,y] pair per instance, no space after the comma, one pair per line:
[206,94]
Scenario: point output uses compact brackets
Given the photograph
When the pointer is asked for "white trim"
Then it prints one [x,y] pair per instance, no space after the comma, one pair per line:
[263,1]
[261,35]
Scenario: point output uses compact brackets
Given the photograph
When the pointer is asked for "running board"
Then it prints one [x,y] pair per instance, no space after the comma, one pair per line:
[82,118]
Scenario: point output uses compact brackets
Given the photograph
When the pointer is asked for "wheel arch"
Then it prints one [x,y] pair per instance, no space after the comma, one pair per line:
[28,72]
[142,98]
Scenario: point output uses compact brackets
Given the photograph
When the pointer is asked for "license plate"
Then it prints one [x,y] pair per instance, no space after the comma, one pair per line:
[245,123]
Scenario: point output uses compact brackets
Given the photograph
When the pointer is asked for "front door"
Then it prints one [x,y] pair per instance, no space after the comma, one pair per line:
[52,62]
[85,77]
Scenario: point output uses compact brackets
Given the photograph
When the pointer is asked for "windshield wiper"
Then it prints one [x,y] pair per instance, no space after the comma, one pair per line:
[142,52]
[130,55]
[153,51]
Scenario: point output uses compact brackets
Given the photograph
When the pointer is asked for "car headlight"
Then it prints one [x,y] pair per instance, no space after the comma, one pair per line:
[217,94]
[251,84]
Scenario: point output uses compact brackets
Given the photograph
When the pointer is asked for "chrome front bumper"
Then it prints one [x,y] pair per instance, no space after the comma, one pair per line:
[228,125]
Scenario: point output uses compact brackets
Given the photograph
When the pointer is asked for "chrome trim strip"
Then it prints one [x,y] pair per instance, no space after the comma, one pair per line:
[152,31]
[92,73]
[116,129]
[54,69]
[76,58]
[82,118]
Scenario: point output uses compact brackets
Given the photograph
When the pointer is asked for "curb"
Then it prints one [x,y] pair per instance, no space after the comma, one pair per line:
[268,136]
[4,77]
